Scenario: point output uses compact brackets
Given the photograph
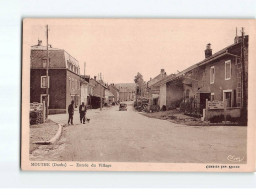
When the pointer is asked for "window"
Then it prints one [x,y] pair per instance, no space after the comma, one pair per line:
[212,75]
[69,82]
[69,65]
[234,103]
[212,96]
[44,63]
[227,95]
[155,100]
[238,60]
[72,85]
[228,70]
[43,82]
[187,93]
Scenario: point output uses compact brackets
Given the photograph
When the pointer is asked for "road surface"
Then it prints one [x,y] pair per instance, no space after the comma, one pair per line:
[128,136]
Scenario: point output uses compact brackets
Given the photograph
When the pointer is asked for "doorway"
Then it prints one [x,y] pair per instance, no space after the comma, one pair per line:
[227,95]
[203,97]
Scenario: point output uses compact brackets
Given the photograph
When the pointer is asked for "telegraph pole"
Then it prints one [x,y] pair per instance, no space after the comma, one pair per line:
[244,95]
[101,94]
[84,67]
[47,74]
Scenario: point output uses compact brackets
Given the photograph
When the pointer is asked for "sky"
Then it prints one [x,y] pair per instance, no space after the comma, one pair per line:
[119,48]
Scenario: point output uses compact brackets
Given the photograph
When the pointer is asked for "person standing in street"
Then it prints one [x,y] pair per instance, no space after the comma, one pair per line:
[82,111]
[71,112]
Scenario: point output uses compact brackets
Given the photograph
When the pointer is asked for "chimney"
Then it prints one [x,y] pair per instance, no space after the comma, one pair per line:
[162,72]
[208,51]
[237,39]
[39,42]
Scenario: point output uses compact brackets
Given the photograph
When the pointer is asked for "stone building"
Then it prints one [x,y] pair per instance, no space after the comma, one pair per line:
[63,80]
[115,91]
[126,91]
[218,77]
[98,92]
[154,90]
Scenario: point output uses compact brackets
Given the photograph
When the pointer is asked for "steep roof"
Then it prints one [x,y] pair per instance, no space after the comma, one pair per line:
[108,93]
[68,57]
[215,56]
[156,79]
[95,81]
[127,87]
[114,87]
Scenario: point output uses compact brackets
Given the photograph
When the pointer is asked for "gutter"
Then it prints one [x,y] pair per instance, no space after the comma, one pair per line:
[53,139]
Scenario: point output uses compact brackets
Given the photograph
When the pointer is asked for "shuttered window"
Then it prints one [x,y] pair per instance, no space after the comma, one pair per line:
[228,70]
[212,75]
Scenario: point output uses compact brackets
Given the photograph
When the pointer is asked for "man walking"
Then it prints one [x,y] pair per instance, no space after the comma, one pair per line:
[82,111]
[71,112]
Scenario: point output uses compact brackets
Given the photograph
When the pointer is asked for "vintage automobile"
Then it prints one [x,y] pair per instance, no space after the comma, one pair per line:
[123,107]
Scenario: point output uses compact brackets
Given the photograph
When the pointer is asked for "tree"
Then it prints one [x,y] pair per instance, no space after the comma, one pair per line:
[140,85]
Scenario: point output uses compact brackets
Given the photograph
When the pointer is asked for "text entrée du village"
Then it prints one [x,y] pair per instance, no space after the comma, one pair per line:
[80,165]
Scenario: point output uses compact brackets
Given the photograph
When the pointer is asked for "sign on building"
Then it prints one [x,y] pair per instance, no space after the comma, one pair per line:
[215,105]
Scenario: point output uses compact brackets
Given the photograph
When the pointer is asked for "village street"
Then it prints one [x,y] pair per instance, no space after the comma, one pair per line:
[128,136]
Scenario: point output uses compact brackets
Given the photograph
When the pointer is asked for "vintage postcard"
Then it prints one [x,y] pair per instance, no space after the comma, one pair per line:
[138,95]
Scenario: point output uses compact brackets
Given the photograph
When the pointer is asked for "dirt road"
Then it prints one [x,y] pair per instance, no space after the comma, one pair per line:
[128,136]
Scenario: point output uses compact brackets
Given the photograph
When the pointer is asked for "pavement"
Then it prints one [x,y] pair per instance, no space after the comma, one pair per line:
[129,136]
[41,133]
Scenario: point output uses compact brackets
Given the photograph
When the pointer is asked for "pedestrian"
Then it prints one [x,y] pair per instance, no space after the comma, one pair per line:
[82,111]
[71,112]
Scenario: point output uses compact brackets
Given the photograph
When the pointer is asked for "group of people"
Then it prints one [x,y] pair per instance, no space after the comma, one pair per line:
[82,112]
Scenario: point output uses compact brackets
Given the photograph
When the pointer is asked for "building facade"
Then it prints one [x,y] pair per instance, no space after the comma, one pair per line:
[219,77]
[126,91]
[153,90]
[98,93]
[63,78]
[84,85]
[109,97]
[114,90]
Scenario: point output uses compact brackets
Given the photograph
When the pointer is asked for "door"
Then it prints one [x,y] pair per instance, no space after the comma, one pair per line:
[227,97]
[203,97]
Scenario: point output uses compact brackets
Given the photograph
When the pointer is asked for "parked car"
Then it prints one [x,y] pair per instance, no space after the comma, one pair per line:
[123,107]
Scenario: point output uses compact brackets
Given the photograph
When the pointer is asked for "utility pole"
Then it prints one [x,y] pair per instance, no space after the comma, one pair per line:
[47,74]
[100,99]
[244,95]
[84,67]
[101,94]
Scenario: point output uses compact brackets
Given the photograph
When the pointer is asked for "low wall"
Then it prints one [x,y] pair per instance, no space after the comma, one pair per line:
[230,113]
[37,113]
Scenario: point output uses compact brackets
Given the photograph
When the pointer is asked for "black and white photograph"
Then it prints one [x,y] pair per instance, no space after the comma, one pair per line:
[136,94]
